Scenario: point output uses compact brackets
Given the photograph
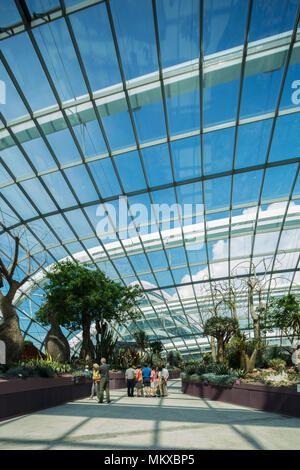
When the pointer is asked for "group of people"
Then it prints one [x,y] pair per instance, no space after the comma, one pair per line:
[147,381]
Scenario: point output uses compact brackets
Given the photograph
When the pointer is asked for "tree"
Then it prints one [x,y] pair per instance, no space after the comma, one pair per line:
[10,331]
[56,344]
[284,313]
[221,328]
[142,340]
[79,296]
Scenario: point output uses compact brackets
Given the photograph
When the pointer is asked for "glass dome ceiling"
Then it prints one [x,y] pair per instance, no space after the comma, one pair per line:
[157,140]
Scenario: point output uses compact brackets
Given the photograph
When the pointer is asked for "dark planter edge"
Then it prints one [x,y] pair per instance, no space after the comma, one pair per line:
[262,398]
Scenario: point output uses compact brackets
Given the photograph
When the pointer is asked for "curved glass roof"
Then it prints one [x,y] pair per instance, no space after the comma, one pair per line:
[157,140]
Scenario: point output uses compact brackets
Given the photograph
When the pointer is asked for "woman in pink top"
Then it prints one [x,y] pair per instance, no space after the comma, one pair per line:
[154,380]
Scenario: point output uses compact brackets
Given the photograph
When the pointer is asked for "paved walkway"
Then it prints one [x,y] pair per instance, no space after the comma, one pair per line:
[175,422]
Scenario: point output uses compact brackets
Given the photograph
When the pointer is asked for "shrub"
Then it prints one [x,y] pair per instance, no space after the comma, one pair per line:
[240,373]
[215,379]
[277,364]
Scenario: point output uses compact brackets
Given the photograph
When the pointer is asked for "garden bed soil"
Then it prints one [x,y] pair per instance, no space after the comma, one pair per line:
[283,400]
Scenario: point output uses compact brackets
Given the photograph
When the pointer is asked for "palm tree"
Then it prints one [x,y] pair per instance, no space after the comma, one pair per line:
[142,340]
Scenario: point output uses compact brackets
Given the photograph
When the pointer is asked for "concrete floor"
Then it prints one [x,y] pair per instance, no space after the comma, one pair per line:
[175,422]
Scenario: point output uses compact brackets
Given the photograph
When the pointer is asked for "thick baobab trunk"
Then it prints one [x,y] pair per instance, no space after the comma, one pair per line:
[249,362]
[221,349]
[10,331]
[87,351]
[56,344]
[213,349]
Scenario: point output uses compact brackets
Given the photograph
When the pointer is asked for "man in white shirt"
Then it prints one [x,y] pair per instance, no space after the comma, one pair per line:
[130,379]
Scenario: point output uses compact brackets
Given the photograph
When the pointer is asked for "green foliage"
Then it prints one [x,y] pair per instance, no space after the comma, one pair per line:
[141,338]
[45,365]
[76,292]
[156,347]
[240,373]
[123,358]
[284,313]
[233,353]
[25,371]
[220,328]
[216,379]
[277,364]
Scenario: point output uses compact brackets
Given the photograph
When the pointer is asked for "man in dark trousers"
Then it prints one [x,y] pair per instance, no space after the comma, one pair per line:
[104,381]
[130,378]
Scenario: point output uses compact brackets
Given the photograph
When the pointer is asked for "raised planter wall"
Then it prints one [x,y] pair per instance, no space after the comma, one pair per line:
[263,398]
[19,397]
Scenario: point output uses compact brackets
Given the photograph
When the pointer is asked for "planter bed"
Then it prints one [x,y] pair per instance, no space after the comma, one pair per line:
[19,397]
[264,398]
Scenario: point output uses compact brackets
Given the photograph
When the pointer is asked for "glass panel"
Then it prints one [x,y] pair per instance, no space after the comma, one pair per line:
[134,26]
[260,90]
[164,278]
[105,177]
[123,267]
[118,130]
[218,150]
[176,256]
[78,222]
[220,102]
[187,158]
[11,105]
[19,202]
[60,58]
[271,17]
[157,164]
[278,182]
[183,108]
[149,119]
[224,24]
[286,138]
[158,259]
[140,263]
[60,227]
[59,189]
[240,246]
[96,46]
[82,184]
[246,187]
[89,136]
[64,147]
[217,193]
[22,59]
[130,171]
[291,92]
[16,162]
[40,6]
[258,133]
[178,24]
[165,208]
[265,242]
[9,15]
[39,154]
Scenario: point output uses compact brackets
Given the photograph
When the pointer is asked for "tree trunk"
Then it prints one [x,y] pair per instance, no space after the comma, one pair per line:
[56,344]
[87,349]
[10,331]
[213,349]
[250,362]
[221,346]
